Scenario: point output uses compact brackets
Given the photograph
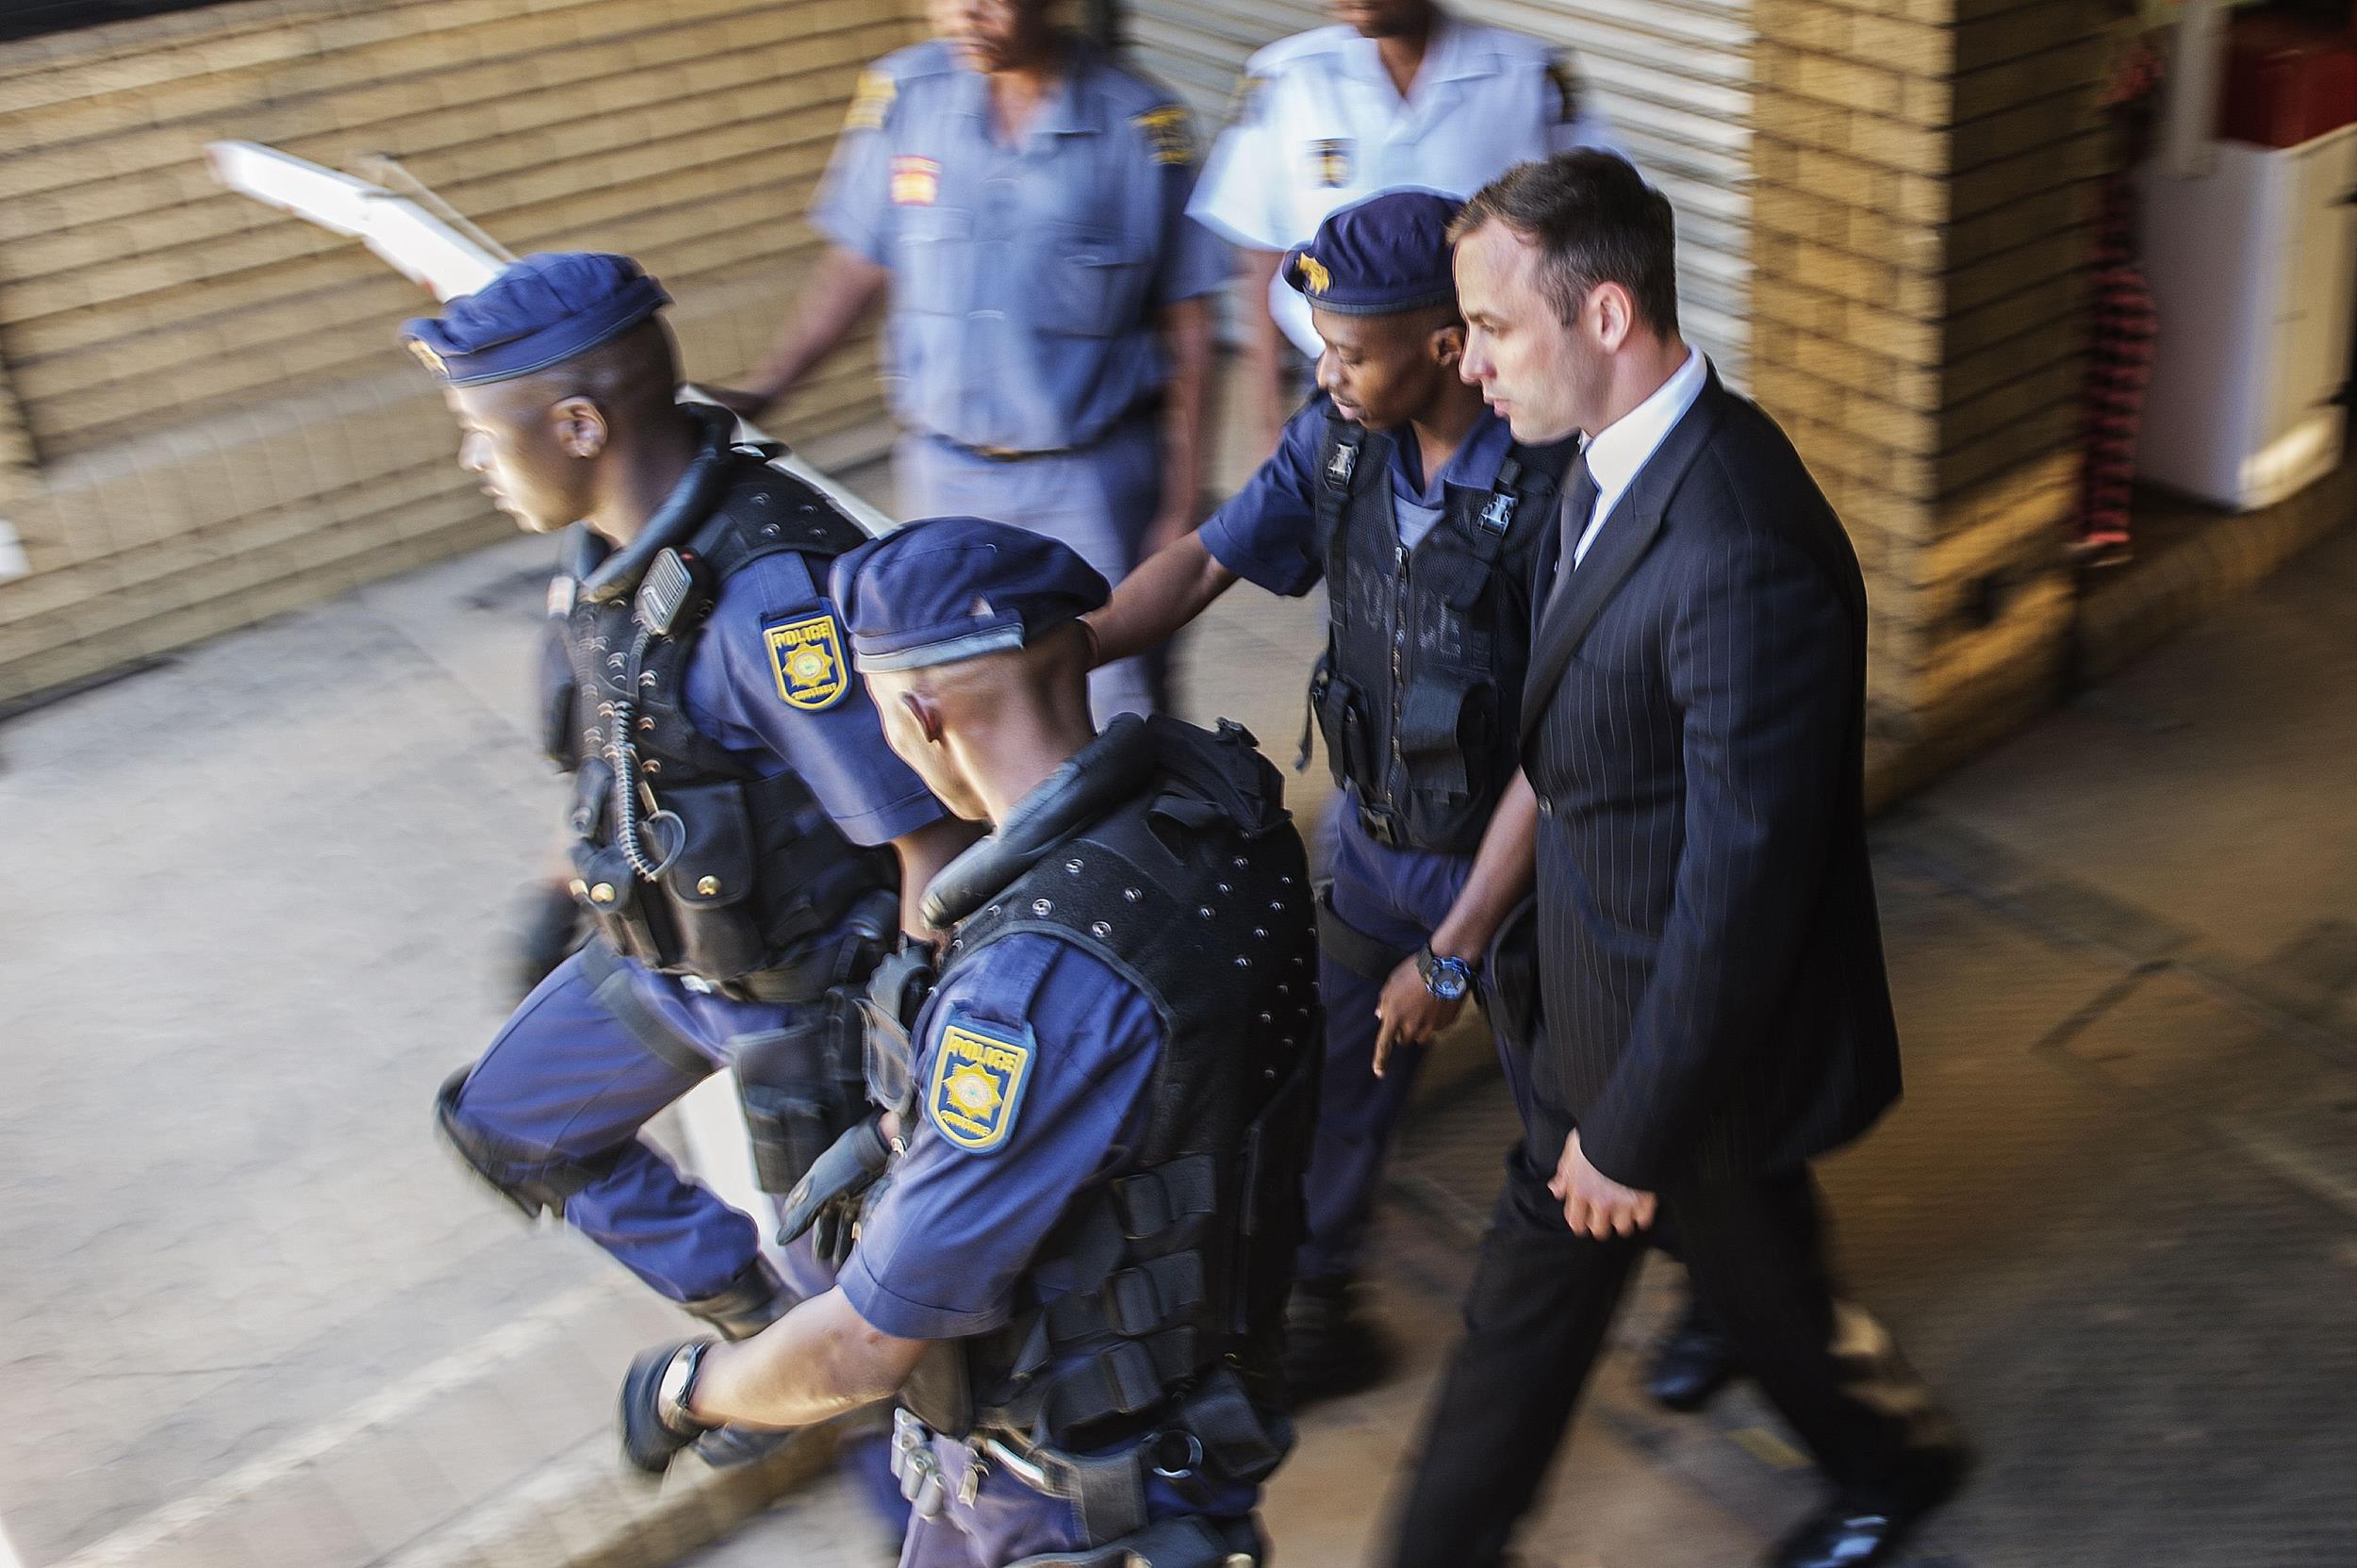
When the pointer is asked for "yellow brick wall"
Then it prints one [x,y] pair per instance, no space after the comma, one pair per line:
[1924,173]
[204,419]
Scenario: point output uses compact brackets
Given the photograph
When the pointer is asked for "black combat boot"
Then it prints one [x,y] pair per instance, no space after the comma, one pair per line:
[1332,1348]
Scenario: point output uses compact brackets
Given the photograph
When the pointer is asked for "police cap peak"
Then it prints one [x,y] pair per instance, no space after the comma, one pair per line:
[941,590]
[1382,257]
[537,313]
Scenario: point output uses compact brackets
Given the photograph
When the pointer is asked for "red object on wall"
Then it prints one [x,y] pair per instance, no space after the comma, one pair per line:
[2286,81]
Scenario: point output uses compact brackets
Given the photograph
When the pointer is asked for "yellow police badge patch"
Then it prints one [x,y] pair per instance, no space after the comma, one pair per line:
[1165,131]
[980,1072]
[1314,276]
[1329,162]
[806,656]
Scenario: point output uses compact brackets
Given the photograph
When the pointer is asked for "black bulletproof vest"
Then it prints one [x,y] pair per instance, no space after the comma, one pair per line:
[733,875]
[1197,890]
[1419,692]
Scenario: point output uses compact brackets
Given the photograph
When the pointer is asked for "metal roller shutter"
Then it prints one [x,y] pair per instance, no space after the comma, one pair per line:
[1673,76]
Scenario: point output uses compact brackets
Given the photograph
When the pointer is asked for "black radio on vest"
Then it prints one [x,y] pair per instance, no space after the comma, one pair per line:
[1419,692]
[688,860]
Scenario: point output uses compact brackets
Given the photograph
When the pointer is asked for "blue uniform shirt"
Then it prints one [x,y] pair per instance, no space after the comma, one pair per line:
[1267,531]
[734,694]
[1025,278]
[989,1170]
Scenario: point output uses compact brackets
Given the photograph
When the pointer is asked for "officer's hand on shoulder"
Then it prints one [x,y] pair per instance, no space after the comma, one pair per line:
[655,1425]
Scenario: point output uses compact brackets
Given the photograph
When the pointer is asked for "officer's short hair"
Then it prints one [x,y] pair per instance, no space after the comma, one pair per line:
[1595,221]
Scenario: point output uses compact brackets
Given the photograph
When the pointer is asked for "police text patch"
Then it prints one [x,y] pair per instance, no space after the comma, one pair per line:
[806,656]
[980,1072]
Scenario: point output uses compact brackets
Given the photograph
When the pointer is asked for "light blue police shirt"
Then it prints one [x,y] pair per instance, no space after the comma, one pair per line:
[1025,278]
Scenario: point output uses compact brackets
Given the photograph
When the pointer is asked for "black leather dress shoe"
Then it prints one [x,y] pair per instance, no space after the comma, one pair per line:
[1848,1533]
[1690,1362]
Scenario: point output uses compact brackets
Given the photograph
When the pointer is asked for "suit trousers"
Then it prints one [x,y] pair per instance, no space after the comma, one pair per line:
[1541,1300]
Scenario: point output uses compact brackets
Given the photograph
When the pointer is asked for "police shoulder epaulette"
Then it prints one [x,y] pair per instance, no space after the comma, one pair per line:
[871,100]
[1164,127]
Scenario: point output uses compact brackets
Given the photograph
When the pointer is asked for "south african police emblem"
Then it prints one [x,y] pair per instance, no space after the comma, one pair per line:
[1329,162]
[806,656]
[980,1072]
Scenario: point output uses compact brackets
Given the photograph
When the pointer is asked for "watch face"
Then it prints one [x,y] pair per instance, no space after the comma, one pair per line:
[1447,979]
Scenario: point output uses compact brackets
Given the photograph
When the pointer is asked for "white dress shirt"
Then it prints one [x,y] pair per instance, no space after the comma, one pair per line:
[1617,453]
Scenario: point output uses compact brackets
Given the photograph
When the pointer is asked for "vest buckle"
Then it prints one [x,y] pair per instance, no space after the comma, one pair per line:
[1498,516]
[1339,466]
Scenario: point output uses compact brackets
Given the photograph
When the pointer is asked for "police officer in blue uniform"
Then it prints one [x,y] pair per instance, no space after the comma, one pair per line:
[1411,501]
[1022,198]
[1073,1276]
[732,790]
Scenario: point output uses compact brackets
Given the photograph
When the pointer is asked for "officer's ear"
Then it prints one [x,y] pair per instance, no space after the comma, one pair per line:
[580,426]
[1447,344]
[923,711]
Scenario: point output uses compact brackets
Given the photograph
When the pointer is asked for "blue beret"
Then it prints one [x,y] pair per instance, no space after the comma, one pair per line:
[538,312]
[1382,257]
[942,590]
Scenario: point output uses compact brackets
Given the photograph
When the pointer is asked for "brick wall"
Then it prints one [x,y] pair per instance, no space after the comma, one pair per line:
[203,417]
[1924,174]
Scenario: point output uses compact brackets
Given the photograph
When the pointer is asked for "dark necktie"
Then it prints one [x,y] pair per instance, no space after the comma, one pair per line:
[1579,505]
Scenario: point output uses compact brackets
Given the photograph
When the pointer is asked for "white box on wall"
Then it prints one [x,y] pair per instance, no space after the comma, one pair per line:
[2253,269]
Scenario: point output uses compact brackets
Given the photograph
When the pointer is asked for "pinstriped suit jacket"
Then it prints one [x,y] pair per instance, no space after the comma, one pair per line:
[1710,962]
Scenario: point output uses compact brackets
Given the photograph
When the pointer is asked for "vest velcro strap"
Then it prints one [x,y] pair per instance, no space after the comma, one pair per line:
[1133,1303]
[1125,1378]
[1237,1444]
[1152,1202]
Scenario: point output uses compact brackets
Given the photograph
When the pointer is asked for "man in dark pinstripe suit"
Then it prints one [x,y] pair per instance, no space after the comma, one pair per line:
[1715,1013]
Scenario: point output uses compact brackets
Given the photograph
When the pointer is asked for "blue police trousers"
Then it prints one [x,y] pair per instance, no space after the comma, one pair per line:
[1396,896]
[1099,499]
[576,1073]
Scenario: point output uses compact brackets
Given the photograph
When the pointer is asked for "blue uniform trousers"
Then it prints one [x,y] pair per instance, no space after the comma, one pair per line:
[580,1067]
[1006,1519]
[1395,897]
[1099,499]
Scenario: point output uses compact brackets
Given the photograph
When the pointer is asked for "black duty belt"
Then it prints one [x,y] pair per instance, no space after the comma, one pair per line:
[1021,454]
[1383,827]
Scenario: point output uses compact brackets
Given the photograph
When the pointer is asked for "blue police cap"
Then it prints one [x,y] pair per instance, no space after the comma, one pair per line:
[942,590]
[538,312]
[1382,257]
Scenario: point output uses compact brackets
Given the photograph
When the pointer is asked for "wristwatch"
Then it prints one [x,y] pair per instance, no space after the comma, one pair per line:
[1448,979]
[677,1387]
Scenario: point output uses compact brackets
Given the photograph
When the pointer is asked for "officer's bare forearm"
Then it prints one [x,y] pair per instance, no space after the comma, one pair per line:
[841,291]
[923,854]
[1172,588]
[817,1360]
[1264,340]
[1187,404]
[1504,870]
